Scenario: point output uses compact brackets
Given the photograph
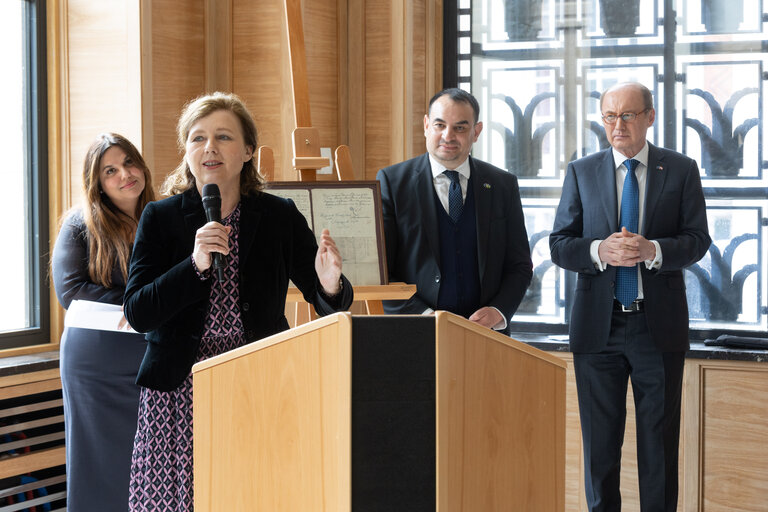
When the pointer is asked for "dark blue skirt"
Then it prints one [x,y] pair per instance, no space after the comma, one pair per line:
[101,400]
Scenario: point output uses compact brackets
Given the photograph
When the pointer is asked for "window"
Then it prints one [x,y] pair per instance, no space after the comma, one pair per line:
[538,67]
[23,260]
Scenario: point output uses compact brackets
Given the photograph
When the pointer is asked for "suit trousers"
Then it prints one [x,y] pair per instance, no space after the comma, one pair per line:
[601,383]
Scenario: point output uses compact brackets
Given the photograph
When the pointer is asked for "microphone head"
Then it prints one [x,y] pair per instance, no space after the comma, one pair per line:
[211,196]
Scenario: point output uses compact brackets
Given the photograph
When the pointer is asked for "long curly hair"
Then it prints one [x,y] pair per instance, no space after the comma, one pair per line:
[181,179]
[110,231]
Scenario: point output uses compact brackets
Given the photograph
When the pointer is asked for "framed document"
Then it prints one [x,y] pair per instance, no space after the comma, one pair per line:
[351,211]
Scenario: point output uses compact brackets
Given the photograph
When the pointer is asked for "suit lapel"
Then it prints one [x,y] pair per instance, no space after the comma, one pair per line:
[194,218]
[192,208]
[482,197]
[250,216]
[606,187]
[655,177]
[425,189]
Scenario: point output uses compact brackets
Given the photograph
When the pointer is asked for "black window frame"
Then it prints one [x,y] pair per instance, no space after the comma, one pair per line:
[35,179]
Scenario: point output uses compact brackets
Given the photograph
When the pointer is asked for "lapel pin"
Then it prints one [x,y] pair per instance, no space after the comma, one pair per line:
[659,168]
[487,185]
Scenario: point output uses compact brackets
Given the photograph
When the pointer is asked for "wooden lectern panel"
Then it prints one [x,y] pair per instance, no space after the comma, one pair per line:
[381,413]
[501,422]
[272,423]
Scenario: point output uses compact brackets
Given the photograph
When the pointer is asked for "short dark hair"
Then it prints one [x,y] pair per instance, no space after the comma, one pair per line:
[458,95]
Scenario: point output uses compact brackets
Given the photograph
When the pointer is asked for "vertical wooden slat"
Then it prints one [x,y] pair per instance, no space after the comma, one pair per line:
[298,60]
[400,79]
[59,195]
[356,86]
[690,443]
[147,127]
[178,74]
[218,45]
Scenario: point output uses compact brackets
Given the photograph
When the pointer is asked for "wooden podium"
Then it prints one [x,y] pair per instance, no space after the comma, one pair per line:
[378,413]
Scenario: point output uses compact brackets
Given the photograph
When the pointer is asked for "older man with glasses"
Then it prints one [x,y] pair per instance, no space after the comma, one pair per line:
[630,219]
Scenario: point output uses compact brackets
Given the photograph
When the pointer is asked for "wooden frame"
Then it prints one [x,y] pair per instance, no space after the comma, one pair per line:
[303,193]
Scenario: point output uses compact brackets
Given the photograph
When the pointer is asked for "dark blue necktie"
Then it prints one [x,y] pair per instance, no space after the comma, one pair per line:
[626,277]
[455,200]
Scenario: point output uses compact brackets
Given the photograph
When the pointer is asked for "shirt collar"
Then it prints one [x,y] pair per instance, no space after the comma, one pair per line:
[438,168]
[641,156]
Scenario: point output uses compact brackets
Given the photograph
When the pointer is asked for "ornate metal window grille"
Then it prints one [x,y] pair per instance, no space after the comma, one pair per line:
[538,68]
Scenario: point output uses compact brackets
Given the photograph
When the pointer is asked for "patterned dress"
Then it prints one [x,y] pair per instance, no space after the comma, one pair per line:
[161,469]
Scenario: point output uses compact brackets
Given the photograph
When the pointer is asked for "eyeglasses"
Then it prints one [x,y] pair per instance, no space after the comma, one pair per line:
[627,117]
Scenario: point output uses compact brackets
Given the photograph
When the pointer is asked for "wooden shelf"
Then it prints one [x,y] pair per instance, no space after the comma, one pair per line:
[391,291]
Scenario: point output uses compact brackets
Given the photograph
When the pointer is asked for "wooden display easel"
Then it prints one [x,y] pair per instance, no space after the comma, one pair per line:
[307,160]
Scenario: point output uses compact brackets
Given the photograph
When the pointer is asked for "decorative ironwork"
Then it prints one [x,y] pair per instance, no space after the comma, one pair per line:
[722,148]
[722,295]
[523,145]
[722,16]
[532,299]
[619,18]
[596,128]
[674,49]
[522,19]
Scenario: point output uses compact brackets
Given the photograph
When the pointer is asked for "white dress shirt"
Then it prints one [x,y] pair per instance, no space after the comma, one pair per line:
[442,185]
[621,173]
[442,182]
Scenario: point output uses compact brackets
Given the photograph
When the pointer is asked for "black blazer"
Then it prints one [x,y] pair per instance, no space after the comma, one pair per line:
[413,247]
[166,299]
[675,216]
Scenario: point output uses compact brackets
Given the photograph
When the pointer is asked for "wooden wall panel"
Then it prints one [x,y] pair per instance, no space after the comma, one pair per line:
[734,454]
[103,90]
[371,68]
[261,75]
[129,66]
[174,66]
[129,73]
[420,94]
[322,42]
[218,45]
[352,81]
[399,79]
[379,117]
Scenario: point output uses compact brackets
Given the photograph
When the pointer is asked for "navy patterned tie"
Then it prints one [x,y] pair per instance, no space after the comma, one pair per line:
[455,200]
[626,277]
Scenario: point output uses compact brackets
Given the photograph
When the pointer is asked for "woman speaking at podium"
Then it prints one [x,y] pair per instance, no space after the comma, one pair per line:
[192,311]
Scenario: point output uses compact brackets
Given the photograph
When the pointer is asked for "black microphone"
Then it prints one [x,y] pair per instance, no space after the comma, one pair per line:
[212,206]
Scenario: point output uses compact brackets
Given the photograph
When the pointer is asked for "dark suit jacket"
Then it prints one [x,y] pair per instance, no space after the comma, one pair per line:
[675,216]
[413,247]
[166,299]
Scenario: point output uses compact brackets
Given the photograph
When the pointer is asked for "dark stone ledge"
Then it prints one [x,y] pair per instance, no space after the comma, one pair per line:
[559,343]
[17,365]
